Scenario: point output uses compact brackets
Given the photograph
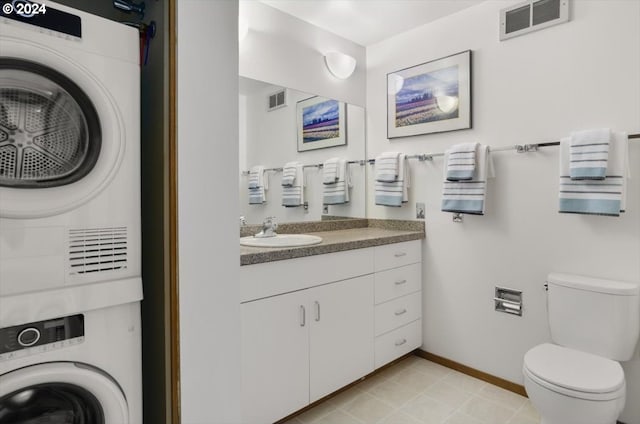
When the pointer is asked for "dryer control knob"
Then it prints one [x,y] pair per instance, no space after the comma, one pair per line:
[28,337]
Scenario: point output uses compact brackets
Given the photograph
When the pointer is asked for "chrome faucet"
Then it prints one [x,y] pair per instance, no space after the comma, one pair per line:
[269,227]
[243,221]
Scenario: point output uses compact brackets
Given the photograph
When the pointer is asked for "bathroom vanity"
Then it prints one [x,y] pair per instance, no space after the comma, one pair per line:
[317,318]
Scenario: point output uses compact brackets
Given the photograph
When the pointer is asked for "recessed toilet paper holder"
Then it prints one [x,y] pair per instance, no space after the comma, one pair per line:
[508,301]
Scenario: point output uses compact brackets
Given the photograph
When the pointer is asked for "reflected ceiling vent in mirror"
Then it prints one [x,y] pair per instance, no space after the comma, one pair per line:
[277,100]
[529,16]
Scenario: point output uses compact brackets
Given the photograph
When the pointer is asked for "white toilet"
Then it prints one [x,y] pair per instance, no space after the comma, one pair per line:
[594,323]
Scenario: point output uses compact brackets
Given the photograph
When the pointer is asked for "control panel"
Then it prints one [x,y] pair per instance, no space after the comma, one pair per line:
[25,339]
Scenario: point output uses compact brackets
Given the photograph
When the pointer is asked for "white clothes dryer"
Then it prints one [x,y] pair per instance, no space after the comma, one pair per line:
[69,150]
[76,360]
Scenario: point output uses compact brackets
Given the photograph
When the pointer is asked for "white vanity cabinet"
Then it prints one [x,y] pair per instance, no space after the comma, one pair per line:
[312,325]
[302,345]
[398,300]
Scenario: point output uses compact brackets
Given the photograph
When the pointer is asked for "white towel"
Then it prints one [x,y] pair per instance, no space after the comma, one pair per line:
[330,172]
[293,195]
[461,161]
[388,167]
[589,152]
[289,174]
[258,184]
[469,196]
[397,192]
[596,197]
[338,192]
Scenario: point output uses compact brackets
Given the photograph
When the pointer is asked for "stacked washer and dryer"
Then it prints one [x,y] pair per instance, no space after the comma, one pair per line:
[70,247]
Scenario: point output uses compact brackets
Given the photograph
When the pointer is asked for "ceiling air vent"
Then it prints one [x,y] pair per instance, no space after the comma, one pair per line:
[530,16]
[277,100]
[97,250]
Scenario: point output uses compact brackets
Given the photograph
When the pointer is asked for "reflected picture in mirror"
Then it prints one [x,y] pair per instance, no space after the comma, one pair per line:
[270,137]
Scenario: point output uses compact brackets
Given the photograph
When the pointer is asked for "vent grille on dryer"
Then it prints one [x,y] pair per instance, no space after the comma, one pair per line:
[97,250]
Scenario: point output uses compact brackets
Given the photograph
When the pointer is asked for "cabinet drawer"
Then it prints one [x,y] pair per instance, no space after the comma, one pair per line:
[396,282]
[398,342]
[397,254]
[398,312]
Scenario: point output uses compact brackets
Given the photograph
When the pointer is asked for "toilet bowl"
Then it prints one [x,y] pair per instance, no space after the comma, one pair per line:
[567,386]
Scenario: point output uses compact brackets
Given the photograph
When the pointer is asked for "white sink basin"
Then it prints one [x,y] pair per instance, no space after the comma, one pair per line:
[281,240]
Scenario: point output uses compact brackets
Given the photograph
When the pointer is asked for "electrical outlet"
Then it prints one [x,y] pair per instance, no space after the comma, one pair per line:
[420,211]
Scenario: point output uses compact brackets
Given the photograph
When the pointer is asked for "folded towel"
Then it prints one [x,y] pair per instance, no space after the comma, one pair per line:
[397,192]
[469,196]
[338,192]
[258,184]
[388,166]
[596,197]
[589,153]
[330,171]
[289,174]
[461,161]
[293,196]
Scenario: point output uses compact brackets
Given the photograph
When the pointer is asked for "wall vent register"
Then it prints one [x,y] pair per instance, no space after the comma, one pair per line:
[277,100]
[529,16]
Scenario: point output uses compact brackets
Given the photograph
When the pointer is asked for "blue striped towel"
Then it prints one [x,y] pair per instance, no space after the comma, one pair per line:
[330,172]
[461,161]
[589,153]
[293,195]
[289,174]
[596,197]
[388,167]
[338,192]
[469,196]
[397,192]
[258,184]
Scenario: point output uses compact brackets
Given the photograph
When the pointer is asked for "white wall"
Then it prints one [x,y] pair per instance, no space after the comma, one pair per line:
[270,139]
[538,87]
[289,52]
[207,219]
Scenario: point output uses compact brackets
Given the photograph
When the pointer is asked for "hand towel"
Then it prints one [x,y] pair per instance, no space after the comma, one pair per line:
[330,173]
[388,166]
[588,154]
[596,197]
[397,192]
[289,174]
[338,192]
[469,196]
[293,196]
[258,184]
[461,161]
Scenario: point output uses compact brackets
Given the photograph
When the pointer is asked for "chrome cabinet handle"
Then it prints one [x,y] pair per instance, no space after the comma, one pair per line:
[399,282]
[401,342]
[317,304]
[400,254]
[303,316]
[398,313]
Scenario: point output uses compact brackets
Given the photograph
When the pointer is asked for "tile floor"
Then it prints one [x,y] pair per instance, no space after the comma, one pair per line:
[418,391]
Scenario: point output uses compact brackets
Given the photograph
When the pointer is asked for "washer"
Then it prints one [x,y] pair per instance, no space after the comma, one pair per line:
[69,150]
[76,360]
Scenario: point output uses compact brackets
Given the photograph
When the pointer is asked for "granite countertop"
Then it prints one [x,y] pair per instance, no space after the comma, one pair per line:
[378,232]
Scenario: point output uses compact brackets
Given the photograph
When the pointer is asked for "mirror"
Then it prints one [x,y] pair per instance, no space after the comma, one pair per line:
[276,123]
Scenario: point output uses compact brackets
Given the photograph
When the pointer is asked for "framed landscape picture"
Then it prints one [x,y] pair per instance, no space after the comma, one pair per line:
[431,97]
[322,123]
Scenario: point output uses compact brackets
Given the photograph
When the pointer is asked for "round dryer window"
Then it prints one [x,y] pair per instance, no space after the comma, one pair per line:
[49,129]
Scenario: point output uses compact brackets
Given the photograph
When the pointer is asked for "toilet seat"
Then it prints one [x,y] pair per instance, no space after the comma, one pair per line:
[574,373]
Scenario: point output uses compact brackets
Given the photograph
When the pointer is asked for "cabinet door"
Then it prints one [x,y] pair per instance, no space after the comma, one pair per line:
[275,357]
[342,336]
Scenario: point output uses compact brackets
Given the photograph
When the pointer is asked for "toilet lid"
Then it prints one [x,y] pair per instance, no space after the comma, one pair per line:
[574,370]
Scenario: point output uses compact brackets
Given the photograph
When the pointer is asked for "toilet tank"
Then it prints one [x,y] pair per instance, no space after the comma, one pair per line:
[594,315]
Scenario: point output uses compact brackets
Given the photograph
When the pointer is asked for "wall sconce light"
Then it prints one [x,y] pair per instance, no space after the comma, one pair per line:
[339,64]
[447,103]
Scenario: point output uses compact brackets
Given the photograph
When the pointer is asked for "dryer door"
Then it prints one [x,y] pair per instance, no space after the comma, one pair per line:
[61,137]
[61,392]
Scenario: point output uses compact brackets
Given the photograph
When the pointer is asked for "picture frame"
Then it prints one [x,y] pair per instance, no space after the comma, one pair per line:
[431,97]
[321,123]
